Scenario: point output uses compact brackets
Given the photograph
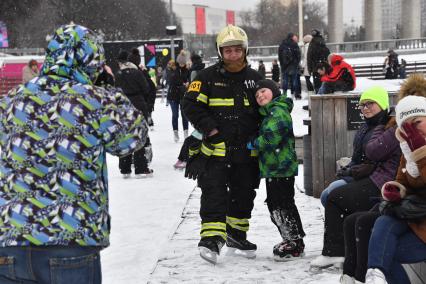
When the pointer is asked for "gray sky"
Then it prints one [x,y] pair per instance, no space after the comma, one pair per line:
[351,9]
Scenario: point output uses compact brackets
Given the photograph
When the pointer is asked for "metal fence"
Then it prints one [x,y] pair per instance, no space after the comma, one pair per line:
[355,46]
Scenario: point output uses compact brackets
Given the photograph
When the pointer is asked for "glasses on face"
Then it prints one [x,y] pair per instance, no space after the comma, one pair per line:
[368,105]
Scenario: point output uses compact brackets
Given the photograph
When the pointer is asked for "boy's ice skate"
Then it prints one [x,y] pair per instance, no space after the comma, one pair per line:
[288,250]
[210,247]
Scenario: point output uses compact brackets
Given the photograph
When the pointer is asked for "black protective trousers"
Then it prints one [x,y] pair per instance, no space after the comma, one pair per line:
[357,230]
[228,189]
[353,197]
[283,210]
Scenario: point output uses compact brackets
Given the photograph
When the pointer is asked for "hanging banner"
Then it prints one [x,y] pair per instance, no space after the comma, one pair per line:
[3,35]
[200,21]
[230,17]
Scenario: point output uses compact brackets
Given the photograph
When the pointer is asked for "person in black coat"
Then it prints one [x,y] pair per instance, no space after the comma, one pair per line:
[275,71]
[178,80]
[289,56]
[317,52]
[134,85]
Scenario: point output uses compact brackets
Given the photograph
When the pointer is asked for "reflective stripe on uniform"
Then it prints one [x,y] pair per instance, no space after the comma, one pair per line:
[254,153]
[206,150]
[203,98]
[246,102]
[221,102]
[211,229]
[239,224]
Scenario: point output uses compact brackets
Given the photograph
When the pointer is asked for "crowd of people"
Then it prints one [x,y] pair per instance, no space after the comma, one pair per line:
[57,127]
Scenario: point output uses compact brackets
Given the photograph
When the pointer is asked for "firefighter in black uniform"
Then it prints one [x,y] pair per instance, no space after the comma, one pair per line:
[221,104]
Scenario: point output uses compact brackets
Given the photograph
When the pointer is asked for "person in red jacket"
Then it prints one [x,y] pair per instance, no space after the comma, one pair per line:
[337,75]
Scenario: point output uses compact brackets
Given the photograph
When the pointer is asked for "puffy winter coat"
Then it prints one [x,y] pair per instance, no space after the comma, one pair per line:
[55,132]
[341,71]
[134,85]
[177,81]
[225,101]
[289,56]
[411,179]
[276,143]
[317,52]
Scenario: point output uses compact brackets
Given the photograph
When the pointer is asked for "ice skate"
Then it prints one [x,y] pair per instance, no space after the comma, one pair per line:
[289,250]
[185,134]
[210,247]
[240,247]
[322,262]
[126,176]
[179,165]
[145,174]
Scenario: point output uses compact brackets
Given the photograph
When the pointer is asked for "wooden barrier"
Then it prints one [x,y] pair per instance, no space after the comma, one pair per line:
[334,119]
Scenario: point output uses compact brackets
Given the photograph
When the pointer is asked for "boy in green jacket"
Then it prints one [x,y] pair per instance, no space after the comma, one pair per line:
[278,165]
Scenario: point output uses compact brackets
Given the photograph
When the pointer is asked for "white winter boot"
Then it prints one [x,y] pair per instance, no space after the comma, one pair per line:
[323,261]
[176,135]
[375,276]
[346,279]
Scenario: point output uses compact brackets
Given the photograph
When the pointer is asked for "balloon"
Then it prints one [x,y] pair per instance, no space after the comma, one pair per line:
[165,52]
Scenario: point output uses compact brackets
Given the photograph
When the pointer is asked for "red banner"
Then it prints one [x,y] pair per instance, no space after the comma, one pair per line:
[230,17]
[200,20]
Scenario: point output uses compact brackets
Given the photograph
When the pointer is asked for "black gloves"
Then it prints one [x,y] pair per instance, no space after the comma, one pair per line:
[196,166]
[200,153]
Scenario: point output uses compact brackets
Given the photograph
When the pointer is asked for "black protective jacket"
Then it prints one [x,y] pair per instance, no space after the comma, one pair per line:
[226,101]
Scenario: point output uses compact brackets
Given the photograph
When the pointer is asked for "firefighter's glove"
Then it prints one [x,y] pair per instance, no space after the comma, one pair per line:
[197,164]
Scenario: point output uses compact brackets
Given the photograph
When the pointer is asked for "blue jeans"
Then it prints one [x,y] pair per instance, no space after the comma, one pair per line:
[294,80]
[175,115]
[332,186]
[392,242]
[55,265]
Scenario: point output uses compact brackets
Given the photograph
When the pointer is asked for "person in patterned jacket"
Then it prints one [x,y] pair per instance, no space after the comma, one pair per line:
[278,165]
[55,132]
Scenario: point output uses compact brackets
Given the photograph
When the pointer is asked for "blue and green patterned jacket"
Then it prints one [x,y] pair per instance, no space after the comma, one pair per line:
[54,134]
[277,154]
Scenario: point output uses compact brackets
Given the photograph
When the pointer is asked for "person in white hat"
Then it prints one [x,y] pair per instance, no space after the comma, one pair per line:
[399,236]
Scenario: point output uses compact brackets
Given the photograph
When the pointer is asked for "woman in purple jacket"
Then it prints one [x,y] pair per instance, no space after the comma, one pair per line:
[375,161]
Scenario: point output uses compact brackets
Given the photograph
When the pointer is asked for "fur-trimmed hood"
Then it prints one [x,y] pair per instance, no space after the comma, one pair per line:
[415,85]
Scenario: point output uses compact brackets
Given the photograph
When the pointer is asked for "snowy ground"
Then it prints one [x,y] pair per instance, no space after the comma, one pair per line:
[155,226]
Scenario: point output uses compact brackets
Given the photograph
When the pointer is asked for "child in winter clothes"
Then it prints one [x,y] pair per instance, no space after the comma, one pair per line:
[341,77]
[400,235]
[278,165]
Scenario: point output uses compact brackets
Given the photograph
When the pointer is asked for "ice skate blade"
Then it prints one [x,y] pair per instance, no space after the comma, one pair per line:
[288,257]
[208,255]
[250,254]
